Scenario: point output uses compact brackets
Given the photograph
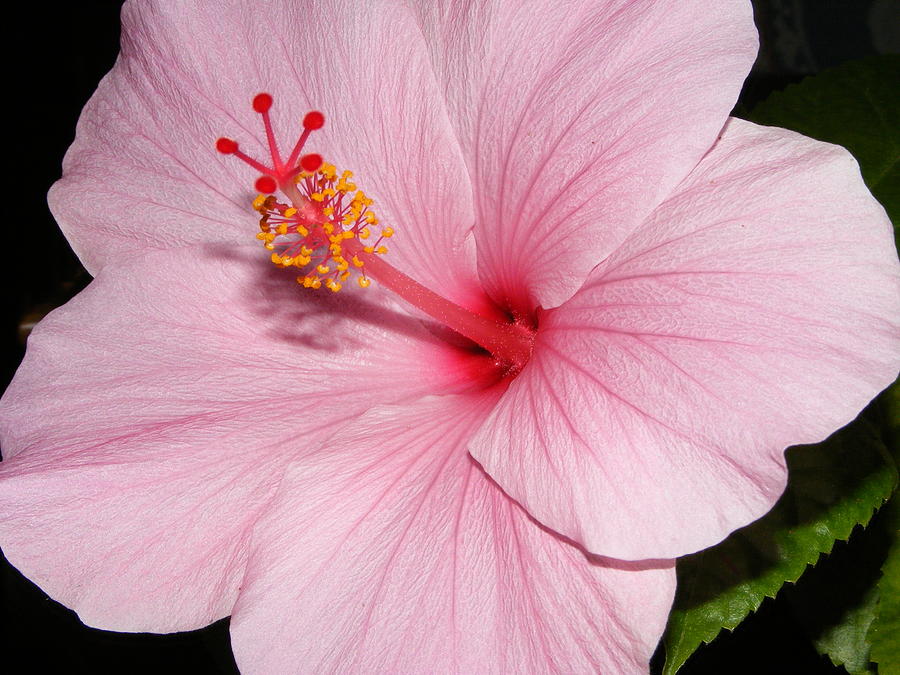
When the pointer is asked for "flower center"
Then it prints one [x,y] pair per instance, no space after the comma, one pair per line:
[326,227]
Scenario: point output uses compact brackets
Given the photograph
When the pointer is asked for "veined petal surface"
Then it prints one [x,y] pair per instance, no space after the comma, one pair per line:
[143,172]
[154,414]
[391,551]
[757,308]
[577,118]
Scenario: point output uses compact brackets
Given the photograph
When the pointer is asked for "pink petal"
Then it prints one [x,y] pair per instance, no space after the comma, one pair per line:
[391,551]
[143,172]
[757,308]
[154,414]
[578,118]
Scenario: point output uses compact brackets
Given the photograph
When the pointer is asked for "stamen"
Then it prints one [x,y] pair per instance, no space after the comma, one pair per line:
[313,232]
[321,227]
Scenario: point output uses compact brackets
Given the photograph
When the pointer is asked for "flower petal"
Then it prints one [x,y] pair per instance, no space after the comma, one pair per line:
[186,75]
[756,309]
[578,118]
[153,415]
[391,551]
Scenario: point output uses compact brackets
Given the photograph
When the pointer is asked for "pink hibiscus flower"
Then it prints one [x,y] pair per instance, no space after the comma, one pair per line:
[194,436]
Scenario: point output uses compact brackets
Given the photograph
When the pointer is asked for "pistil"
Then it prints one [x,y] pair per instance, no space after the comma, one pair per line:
[324,230]
[510,343]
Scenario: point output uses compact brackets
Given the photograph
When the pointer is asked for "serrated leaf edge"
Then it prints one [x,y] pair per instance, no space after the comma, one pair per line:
[793,578]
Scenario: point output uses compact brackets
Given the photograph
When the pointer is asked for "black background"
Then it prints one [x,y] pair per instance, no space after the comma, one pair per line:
[57,54]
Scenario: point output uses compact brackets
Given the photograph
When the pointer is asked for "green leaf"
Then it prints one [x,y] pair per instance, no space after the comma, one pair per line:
[883,633]
[836,601]
[845,642]
[856,105]
[833,486]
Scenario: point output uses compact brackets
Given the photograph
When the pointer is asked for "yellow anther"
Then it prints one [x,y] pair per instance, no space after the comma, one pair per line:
[322,259]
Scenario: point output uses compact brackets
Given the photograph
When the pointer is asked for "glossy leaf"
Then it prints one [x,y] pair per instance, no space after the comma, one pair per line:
[884,630]
[833,487]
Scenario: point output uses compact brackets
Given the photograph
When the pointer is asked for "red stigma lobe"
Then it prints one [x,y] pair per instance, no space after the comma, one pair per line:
[265,184]
[279,172]
[313,120]
[262,103]
[311,163]
[226,146]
